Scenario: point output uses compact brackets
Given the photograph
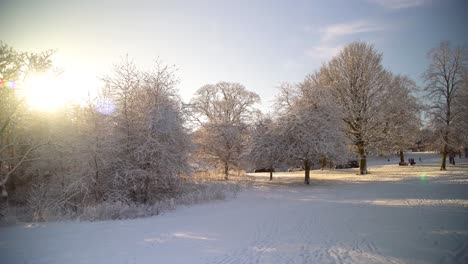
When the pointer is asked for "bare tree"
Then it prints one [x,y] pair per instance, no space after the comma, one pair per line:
[444,79]
[222,112]
[359,83]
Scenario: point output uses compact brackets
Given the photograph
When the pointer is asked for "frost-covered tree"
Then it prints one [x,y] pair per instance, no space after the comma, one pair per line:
[222,113]
[444,79]
[310,126]
[265,148]
[14,69]
[122,88]
[221,145]
[359,83]
[128,145]
[462,122]
[93,146]
[56,182]
[229,103]
[150,145]
[459,135]
[402,120]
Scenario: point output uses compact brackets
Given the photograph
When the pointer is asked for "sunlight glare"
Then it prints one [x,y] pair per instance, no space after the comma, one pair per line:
[44,92]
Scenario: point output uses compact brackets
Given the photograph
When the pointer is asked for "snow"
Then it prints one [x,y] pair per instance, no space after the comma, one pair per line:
[411,214]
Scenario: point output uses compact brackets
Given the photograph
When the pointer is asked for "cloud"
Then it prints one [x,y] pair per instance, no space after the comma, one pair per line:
[399,4]
[332,32]
[330,42]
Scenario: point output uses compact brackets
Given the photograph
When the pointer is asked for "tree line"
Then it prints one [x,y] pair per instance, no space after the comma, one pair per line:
[137,142]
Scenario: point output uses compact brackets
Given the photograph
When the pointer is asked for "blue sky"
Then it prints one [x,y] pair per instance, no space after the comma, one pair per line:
[257,43]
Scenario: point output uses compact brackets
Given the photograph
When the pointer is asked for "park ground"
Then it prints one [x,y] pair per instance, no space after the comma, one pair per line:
[411,214]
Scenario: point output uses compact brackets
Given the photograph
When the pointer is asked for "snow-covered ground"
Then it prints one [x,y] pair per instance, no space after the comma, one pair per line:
[394,215]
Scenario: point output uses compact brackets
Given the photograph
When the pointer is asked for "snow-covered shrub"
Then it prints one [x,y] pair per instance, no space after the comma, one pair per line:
[191,193]
[150,145]
[122,155]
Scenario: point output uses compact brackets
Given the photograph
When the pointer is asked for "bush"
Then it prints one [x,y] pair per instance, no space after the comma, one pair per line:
[44,206]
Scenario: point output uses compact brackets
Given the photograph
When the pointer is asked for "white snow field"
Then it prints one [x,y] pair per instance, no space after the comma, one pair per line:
[394,215]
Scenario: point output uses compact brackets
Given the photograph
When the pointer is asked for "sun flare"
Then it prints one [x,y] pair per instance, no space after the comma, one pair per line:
[45,92]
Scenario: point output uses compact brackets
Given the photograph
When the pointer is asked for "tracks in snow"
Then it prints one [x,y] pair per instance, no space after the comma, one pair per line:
[303,233]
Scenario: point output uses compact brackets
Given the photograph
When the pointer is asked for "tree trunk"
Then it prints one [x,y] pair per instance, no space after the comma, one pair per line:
[363,161]
[96,180]
[307,171]
[271,173]
[226,171]
[324,163]
[4,193]
[444,158]
[402,156]
[146,190]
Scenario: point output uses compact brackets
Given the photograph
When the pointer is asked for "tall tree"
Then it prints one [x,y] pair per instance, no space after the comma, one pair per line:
[444,79]
[359,83]
[222,112]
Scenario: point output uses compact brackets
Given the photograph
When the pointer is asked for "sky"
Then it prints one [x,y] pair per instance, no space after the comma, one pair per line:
[257,43]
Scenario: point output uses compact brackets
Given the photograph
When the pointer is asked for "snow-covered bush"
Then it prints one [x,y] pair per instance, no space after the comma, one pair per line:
[128,147]
[192,193]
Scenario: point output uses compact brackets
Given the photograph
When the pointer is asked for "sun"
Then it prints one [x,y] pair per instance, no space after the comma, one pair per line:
[52,92]
[45,92]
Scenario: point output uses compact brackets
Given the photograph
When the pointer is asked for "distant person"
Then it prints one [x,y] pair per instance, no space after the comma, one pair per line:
[420,160]
[452,159]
